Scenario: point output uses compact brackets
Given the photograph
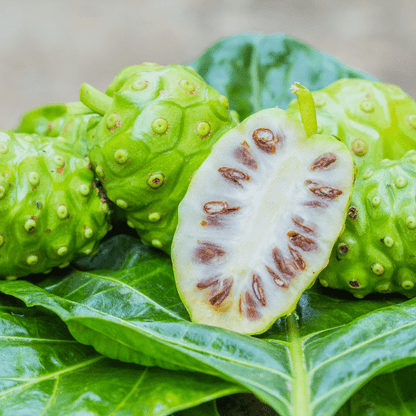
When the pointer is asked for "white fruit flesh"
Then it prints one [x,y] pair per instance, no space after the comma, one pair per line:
[259,221]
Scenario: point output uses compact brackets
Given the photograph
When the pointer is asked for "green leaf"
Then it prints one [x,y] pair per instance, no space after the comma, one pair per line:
[44,371]
[308,365]
[205,409]
[386,395]
[255,71]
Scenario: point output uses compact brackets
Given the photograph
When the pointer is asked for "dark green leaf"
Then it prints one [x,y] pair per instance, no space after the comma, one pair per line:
[205,409]
[386,395]
[255,71]
[44,371]
[305,366]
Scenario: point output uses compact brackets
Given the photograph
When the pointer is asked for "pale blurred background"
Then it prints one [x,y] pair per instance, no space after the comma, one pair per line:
[48,48]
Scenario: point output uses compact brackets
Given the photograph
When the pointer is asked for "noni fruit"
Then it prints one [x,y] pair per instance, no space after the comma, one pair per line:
[377,250]
[375,120]
[73,121]
[259,220]
[50,209]
[159,124]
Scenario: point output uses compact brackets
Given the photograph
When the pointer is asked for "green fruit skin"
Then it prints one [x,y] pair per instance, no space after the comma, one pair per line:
[376,253]
[51,212]
[73,121]
[162,124]
[375,120]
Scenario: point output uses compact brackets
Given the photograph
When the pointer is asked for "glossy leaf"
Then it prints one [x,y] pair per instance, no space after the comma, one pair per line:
[44,371]
[308,365]
[386,395]
[255,71]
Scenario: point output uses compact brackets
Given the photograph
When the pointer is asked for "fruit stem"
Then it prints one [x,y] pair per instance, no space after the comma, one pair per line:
[77,108]
[306,108]
[95,99]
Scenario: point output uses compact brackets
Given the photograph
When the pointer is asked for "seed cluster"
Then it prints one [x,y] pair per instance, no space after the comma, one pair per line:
[259,220]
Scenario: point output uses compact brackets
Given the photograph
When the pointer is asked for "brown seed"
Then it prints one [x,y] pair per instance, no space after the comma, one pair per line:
[251,311]
[240,306]
[258,289]
[218,207]
[244,156]
[208,252]
[315,204]
[265,140]
[281,263]
[211,281]
[309,182]
[300,263]
[352,212]
[277,279]
[299,222]
[214,220]
[326,192]
[234,175]
[218,298]
[299,240]
[323,161]
[354,283]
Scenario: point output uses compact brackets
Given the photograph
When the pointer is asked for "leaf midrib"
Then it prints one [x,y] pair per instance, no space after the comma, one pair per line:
[300,388]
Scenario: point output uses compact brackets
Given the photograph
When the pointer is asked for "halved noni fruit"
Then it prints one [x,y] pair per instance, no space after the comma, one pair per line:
[259,220]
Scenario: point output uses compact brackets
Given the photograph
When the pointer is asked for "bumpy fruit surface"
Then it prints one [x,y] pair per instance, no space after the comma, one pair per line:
[376,252]
[73,121]
[259,220]
[50,209]
[375,120]
[159,124]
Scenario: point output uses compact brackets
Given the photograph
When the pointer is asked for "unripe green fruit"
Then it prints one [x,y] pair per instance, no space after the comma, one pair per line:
[73,122]
[375,120]
[51,212]
[159,124]
[379,240]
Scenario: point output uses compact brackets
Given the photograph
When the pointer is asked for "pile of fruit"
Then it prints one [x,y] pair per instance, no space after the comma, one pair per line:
[251,212]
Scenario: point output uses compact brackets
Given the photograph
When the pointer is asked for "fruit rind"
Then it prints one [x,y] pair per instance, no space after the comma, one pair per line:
[71,123]
[373,119]
[43,216]
[160,125]
[380,238]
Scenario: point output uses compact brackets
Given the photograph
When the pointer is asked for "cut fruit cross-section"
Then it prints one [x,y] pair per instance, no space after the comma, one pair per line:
[259,220]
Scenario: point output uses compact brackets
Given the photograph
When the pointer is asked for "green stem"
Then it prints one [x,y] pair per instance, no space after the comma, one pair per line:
[300,389]
[306,108]
[94,99]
